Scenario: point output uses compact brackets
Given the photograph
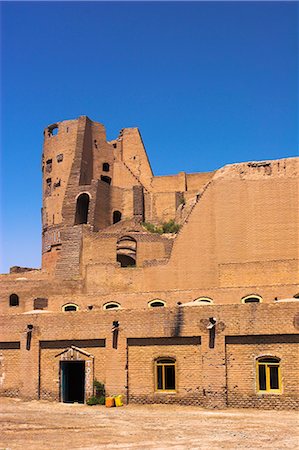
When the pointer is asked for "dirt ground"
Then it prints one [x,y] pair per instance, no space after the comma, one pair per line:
[44,425]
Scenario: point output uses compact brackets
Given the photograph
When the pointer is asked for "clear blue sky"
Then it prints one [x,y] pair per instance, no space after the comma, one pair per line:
[207,84]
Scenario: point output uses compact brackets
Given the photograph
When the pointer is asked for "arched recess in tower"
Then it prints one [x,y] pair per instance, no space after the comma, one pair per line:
[126,251]
[82,209]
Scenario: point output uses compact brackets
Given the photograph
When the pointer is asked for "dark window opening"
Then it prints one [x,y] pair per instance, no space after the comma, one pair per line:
[156,304]
[106,167]
[112,306]
[49,165]
[296,295]
[59,157]
[262,377]
[252,299]
[274,382]
[48,186]
[126,261]
[53,130]
[159,377]
[13,300]
[114,145]
[165,375]
[82,209]
[169,377]
[72,381]
[106,179]
[57,184]
[70,308]
[116,216]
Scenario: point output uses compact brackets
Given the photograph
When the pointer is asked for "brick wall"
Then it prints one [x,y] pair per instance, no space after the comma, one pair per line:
[9,367]
[217,375]
[242,379]
[142,377]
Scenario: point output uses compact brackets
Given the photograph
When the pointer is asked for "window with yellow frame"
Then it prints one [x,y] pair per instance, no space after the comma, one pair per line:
[165,377]
[268,375]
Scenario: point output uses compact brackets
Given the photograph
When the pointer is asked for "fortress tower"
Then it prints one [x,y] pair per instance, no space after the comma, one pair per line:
[88,182]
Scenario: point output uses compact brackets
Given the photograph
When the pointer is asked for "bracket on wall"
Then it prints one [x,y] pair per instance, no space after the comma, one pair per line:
[29,336]
[212,331]
[115,330]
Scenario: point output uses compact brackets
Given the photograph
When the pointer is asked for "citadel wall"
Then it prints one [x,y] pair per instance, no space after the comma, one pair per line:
[238,237]
[238,231]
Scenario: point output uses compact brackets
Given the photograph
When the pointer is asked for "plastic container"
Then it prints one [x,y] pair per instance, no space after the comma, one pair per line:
[118,400]
[109,402]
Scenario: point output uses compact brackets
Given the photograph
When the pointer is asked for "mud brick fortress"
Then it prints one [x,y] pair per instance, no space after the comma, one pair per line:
[167,289]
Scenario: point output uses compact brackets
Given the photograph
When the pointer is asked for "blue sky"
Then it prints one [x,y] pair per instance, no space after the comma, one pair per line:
[207,84]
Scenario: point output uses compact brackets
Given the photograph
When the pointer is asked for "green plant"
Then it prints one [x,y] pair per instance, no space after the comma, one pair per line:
[152,228]
[170,227]
[91,401]
[101,400]
[167,227]
[99,388]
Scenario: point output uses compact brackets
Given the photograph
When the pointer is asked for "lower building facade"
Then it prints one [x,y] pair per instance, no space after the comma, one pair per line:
[211,356]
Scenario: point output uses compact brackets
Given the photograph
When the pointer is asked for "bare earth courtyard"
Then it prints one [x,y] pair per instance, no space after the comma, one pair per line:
[44,425]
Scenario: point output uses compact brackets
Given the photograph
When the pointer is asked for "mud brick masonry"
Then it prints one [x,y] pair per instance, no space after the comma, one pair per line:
[205,313]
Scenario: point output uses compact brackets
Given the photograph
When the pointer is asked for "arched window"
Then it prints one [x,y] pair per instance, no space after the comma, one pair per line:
[82,209]
[165,374]
[70,307]
[116,216]
[13,300]
[268,374]
[111,305]
[106,179]
[157,303]
[204,301]
[52,130]
[126,250]
[252,299]
[106,167]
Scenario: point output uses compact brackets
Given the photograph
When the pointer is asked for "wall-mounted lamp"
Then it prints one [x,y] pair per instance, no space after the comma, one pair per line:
[212,323]
[212,331]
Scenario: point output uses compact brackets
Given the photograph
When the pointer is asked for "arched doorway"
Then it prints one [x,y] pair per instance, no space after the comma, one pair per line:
[82,209]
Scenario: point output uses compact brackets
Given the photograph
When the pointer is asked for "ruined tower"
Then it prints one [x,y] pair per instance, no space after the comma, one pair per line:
[88,182]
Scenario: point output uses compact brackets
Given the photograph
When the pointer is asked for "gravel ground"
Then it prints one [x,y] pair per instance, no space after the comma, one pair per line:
[44,425]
